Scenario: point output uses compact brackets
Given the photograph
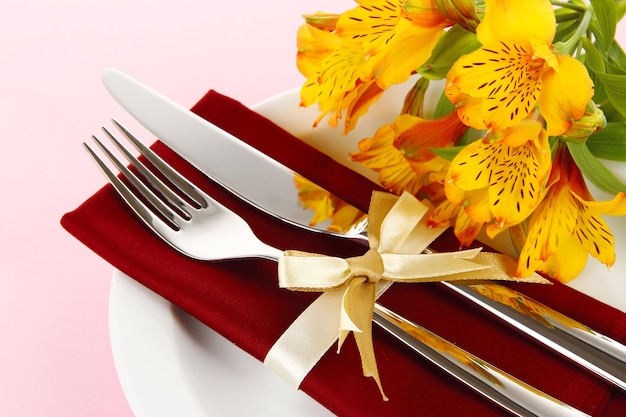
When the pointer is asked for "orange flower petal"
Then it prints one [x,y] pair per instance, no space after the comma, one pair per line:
[313,46]
[359,101]
[416,136]
[465,229]
[379,154]
[444,214]
[594,236]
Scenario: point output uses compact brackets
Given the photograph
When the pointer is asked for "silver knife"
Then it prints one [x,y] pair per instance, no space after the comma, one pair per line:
[469,369]
[246,172]
[506,390]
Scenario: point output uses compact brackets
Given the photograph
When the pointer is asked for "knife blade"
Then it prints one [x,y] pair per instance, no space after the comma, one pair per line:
[246,172]
[238,167]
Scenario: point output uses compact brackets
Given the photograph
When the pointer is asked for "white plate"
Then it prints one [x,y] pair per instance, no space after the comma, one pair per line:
[169,364]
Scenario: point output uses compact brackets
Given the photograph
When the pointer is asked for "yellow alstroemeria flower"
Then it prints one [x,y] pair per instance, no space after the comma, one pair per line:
[394,171]
[567,226]
[315,42]
[416,136]
[326,206]
[446,213]
[375,45]
[498,85]
[397,36]
[330,64]
[500,179]
[400,152]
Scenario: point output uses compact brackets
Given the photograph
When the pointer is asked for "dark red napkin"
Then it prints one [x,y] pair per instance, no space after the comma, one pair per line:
[242,301]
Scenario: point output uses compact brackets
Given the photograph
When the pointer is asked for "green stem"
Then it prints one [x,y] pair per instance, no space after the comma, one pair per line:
[566,47]
[568,5]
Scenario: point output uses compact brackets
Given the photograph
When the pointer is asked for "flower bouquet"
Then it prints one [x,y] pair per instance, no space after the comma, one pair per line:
[533,99]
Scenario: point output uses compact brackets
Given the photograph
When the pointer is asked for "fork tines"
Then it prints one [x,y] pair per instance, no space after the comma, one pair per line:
[170,198]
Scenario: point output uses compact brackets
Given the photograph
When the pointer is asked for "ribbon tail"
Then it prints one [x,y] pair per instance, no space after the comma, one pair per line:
[358,304]
[500,268]
[351,306]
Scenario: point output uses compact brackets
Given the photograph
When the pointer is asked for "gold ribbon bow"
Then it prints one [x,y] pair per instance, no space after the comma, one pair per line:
[398,235]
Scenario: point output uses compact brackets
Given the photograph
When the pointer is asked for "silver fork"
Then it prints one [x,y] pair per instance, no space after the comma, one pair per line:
[193,223]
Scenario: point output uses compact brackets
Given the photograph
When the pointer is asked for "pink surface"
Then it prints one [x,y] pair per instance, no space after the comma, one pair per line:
[55,355]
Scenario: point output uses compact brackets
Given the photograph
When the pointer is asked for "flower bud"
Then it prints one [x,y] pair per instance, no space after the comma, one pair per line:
[462,12]
[414,100]
[424,13]
[592,121]
[322,21]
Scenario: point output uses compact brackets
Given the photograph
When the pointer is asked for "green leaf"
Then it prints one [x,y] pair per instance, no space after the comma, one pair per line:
[620,8]
[565,15]
[448,153]
[566,29]
[599,92]
[453,44]
[615,90]
[444,107]
[593,58]
[617,59]
[615,69]
[606,16]
[609,143]
[611,114]
[593,169]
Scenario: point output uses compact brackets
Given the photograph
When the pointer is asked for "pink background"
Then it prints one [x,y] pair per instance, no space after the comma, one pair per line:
[55,357]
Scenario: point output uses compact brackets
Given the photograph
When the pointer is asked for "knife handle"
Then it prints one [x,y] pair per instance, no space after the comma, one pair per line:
[505,390]
[600,354]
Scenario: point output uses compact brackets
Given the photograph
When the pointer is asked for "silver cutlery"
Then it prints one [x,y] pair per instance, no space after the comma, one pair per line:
[193,223]
[268,185]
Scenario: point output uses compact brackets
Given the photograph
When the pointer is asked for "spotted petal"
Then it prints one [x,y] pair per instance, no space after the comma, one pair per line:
[595,236]
[370,24]
[338,75]
[514,177]
[567,226]
[518,183]
[505,75]
[506,79]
